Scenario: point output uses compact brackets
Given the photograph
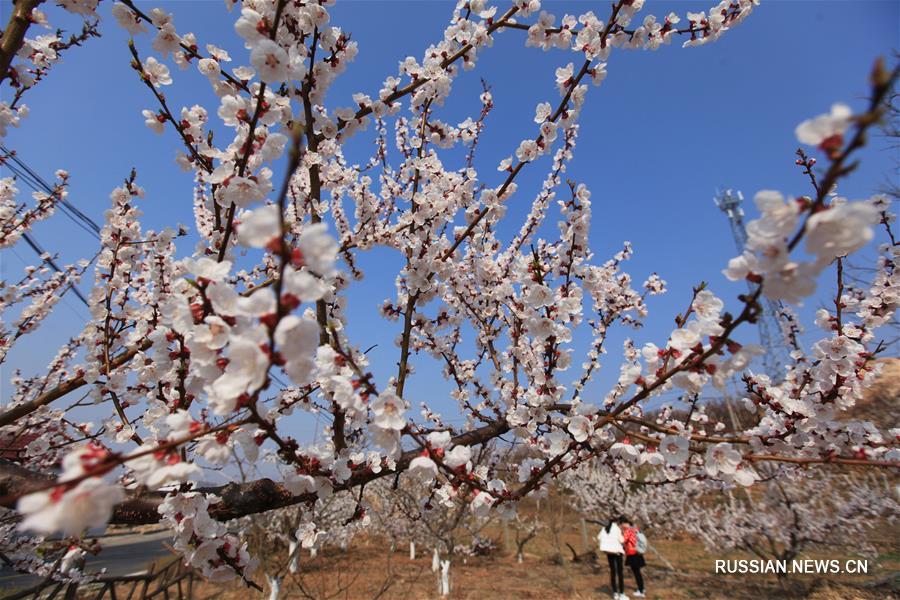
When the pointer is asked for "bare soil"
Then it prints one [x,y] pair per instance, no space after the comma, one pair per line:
[369,570]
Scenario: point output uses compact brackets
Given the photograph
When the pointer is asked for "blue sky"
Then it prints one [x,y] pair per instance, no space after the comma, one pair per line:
[664,130]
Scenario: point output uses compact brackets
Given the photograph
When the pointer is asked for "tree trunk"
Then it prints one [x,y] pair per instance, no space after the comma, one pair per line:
[445,578]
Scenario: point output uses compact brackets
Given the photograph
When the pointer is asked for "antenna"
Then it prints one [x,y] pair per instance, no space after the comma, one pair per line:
[770,336]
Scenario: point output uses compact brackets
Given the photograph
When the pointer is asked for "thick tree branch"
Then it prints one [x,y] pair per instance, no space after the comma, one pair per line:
[14,34]
[238,500]
[70,385]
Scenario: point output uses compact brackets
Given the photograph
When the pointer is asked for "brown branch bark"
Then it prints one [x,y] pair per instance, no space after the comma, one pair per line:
[14,34]
[70,385]
[238,499]
[417,83]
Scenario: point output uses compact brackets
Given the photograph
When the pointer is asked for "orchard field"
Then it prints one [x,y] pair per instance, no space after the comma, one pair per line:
[407,299]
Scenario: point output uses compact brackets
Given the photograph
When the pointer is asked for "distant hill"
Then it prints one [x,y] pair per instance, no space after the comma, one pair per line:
[881,403]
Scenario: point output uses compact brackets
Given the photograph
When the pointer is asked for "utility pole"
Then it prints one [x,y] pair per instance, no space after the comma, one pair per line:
[770,336]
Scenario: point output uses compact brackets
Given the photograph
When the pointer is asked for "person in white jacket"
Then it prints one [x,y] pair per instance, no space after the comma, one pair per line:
[611,540]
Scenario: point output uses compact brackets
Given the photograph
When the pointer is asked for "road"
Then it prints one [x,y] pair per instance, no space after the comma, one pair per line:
[121,555]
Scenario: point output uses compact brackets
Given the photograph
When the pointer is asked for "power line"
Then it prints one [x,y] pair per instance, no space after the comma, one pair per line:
[36,186]
[47,259]
[68,206]
[62,297]
[37,183]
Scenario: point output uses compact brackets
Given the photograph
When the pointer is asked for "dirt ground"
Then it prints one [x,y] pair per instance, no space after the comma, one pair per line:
[369,570]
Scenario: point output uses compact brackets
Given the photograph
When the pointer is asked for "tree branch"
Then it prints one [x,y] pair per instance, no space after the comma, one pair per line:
[14,34]
[238,499]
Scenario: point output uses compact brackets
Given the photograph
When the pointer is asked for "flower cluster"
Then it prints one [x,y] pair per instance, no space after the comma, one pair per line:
[209,356]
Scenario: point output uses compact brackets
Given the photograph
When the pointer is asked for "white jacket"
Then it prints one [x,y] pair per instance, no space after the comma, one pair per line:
[611,541]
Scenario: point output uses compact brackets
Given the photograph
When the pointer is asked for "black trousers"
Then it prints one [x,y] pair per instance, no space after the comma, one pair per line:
[636,562]
[638,578]
[616,573]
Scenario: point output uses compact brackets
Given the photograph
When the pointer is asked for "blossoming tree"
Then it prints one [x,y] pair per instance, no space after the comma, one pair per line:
[791,515]
[187,355]
[432,519]
[782,517]
[601,495]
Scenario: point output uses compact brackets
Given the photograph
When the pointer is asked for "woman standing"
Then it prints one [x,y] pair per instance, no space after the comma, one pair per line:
[633,557]
[611,539]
